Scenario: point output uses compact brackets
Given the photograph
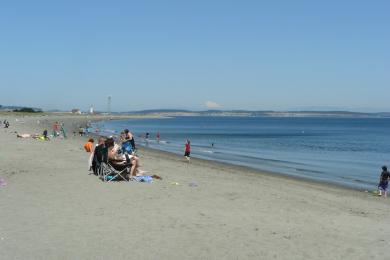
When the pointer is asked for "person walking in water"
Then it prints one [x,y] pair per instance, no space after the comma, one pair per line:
[187,151]
[384,182]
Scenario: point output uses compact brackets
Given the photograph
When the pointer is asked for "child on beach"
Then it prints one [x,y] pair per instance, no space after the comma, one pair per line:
[88,146]
[89,149]
[187,151]
[384,181]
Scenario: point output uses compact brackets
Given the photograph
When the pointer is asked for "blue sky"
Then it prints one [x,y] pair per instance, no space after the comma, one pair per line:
[256,55]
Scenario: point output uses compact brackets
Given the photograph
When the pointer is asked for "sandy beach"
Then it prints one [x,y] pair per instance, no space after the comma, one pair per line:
[51,208]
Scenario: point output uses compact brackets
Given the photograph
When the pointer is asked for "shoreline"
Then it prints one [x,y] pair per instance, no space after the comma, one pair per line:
[238,167]
[249,170]
[364,187]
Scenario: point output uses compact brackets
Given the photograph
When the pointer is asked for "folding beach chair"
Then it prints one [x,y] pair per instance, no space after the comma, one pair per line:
[108,173]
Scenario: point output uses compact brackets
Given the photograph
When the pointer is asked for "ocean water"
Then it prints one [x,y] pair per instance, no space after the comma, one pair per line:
[346,151]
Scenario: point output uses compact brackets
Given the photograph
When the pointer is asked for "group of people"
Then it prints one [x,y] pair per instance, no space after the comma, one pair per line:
[187,145]
[82,131]
[121,155]
[147,135]
[58,129]
[43,136]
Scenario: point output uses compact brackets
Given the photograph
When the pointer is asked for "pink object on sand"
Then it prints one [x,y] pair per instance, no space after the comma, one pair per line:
[3,182]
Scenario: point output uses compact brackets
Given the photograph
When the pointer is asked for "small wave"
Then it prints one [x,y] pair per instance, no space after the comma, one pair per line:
[358,180]
[307,170]
[109,131]
[201,146]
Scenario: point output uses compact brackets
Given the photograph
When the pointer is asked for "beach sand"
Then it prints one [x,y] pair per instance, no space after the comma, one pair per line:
[51,208]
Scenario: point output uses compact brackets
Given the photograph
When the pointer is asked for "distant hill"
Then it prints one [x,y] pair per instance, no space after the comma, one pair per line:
[265,113]
[152,111]
[242,113]
[12,108]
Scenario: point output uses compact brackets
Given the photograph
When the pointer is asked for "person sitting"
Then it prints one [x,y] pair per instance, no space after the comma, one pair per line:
[100,155]
[121,161]
[81,131]
[45,135]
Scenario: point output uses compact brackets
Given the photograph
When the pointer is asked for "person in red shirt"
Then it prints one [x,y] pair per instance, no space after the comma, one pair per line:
[187,151]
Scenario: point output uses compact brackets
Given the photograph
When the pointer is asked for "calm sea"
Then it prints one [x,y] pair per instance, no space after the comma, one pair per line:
[347,151]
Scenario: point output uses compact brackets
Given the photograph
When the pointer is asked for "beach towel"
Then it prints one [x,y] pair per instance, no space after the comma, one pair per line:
[143,178]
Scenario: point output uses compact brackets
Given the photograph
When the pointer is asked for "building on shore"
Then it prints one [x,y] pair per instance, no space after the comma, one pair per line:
[76,111]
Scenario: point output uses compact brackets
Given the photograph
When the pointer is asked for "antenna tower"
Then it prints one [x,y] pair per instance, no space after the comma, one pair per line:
[109,104]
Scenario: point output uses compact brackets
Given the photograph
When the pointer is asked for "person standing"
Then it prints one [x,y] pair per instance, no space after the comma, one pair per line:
[384,182]
[187,151]
[129,137]
[88,146]
[55,129]
[158,137]
[63,131]
[81,131]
